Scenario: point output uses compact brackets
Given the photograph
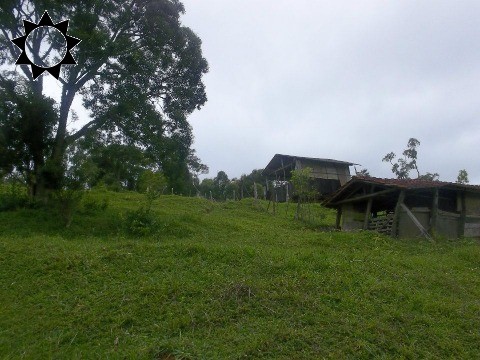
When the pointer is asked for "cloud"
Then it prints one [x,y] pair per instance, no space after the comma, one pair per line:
[345,80]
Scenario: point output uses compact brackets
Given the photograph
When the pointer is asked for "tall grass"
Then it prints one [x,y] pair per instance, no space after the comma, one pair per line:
[226,281]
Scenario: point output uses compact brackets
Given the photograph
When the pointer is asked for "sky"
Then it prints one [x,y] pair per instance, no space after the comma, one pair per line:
[346,80]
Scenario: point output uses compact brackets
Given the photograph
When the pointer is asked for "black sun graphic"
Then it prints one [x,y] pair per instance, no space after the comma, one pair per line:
[46,21]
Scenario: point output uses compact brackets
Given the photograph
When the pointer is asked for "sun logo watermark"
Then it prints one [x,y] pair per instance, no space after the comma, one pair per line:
[60,42]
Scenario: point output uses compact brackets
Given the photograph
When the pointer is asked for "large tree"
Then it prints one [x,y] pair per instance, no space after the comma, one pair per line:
[139,73]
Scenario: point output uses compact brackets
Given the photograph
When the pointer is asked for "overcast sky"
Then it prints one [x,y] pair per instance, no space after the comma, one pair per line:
[347,80]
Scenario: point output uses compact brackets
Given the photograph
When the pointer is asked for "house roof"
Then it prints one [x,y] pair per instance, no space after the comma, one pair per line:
[414,183]
[279,159]
[401,184]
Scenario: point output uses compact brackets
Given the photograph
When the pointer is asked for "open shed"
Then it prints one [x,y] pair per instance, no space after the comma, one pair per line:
[328,175]
[408,208]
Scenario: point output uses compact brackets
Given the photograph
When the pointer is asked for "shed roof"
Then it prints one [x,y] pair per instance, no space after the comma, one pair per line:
[401,184]
[279,159]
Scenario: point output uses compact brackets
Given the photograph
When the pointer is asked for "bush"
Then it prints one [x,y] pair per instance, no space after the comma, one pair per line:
[13,196]
[91,205]
[140,222]
[66,203]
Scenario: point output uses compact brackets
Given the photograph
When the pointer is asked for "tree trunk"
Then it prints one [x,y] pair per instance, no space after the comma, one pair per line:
[50,174]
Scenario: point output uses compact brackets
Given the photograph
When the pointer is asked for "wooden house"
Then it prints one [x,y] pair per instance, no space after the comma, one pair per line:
[327,175]
[408,208]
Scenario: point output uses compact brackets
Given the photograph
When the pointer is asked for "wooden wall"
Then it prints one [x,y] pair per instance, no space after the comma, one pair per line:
[326,170]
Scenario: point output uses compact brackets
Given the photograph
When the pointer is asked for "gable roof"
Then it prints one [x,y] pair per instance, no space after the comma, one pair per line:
[278,159]
[414,183]
[400,184]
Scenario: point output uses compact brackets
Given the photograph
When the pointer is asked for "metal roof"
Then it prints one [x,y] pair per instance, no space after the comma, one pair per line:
[276,162]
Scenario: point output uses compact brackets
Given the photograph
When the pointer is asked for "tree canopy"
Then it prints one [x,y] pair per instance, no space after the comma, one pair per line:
[139,73]
[402,167]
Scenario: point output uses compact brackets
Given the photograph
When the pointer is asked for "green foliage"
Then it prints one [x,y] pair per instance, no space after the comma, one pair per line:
[429,176]
[139,73]
[27,121]
[91,205]
[404,165]
[229,281]
[301,182]
[246,183]
[66,202]
[462,177]
[152,184]
[408,162]
[305,193]
[140,222]
[363,172]
[222,188]
[13,196]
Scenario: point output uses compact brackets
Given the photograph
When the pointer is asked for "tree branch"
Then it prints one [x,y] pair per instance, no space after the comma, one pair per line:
[90,126]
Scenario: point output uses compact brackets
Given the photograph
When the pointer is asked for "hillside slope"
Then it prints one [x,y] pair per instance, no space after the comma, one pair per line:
[228,280]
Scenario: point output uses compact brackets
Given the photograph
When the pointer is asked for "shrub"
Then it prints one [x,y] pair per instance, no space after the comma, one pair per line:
[66,203]
[13,196]
[91,205]
[140,222]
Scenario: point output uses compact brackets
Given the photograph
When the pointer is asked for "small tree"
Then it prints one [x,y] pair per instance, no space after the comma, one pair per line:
[429,176]
[302,189]
[220,183]
[462,177]
[152,183]
[402,167]
[363,172]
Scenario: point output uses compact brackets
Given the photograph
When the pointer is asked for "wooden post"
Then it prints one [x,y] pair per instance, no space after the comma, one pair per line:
[172,191]
[255,194]
[211,197]
[274,201]
[339,217]
[234,195]
[368,210]
[367,214]
[463,215]
[434,214]
[396,215]
[286,194]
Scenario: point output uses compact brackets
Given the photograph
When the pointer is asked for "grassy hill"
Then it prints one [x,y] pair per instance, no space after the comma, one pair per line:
[227,281]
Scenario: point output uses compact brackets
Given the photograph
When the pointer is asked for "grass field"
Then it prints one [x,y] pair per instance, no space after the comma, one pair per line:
[228,281]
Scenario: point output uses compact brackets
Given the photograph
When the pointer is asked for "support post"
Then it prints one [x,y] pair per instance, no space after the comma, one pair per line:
[396,215]
[463,215]
[368,210]
[339,217]
[434,218]
[367,214]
